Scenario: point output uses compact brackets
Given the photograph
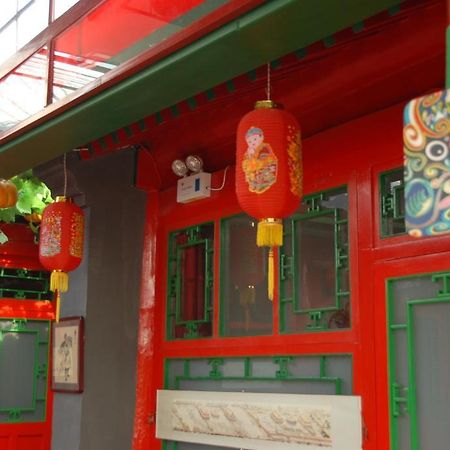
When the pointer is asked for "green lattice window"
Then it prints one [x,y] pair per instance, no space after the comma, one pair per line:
[24,284]
[245,307]
[24,350]
[190,282]
[317,374]
[314,265]
[392,203]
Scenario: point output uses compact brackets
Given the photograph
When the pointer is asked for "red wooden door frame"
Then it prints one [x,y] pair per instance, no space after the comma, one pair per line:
[384,270]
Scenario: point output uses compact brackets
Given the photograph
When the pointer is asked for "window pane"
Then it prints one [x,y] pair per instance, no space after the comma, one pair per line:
[24,91]
[190,282]
[392,203]
[32,20]
[317,374]
[95,45]
[314,272]
[61,6]
[246,310]
[23,370]
[317,284]
[8,42]
[192,261]
[20,22]
[17,360]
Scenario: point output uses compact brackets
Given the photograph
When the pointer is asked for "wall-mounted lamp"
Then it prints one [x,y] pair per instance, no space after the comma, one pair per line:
[197,184]
[193,163]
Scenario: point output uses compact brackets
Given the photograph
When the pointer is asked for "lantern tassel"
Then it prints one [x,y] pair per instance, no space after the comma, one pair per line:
[58,306]
[270,233]
[271,275]
[59,281]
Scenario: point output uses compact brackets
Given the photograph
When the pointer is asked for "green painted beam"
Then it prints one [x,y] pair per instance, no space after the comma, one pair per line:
[274,29]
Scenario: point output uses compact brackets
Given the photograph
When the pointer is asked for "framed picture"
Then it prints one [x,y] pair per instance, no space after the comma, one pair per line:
[67,355]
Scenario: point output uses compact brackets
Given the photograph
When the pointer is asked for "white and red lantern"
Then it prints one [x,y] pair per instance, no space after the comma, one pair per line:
[269,175]
[61,243]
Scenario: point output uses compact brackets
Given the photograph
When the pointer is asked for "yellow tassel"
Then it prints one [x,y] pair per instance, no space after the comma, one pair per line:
[59,281]
[270,276]
[58,306]
[270,233]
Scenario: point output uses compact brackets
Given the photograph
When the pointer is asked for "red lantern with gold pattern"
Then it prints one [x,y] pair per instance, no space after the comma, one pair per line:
[61,242]
[269,172]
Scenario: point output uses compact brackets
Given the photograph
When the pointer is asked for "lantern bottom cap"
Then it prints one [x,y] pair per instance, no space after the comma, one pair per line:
[269,233]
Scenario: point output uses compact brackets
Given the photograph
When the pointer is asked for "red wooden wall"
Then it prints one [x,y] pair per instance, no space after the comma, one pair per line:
[353,154]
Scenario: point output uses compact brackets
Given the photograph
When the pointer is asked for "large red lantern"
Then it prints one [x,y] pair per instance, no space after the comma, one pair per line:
[269,172]
[61,243]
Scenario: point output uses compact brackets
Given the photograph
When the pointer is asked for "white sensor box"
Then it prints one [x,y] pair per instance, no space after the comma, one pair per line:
[194,187]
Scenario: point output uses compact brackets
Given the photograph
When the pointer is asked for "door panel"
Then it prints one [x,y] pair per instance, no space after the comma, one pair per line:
[24,394]
[417,308]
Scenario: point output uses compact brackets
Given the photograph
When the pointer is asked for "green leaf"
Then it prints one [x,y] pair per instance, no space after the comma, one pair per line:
[8,215]
[3,237]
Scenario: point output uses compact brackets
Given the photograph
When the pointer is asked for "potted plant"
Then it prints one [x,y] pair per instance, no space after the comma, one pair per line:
[19,224]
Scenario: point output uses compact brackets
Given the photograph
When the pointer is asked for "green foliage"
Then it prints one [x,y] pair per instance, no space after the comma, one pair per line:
[32,197]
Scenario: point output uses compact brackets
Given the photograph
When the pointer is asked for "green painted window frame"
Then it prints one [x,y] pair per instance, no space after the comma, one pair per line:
[288,265]
[391,203]
[18,415]
[282,374]
[174,284]
[402,399]
[23,292]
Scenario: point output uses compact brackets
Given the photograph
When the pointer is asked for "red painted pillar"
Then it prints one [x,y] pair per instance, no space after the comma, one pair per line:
[147,179]
[145,402]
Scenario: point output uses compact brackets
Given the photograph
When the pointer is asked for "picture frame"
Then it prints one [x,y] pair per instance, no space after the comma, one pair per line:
[68,355]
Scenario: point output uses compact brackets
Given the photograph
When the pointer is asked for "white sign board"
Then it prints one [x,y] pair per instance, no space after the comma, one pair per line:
[260,421]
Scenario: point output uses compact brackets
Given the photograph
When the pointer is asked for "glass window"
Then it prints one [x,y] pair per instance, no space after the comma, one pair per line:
[392,203]
[24,91]
[297,374]
[23,370]
[23,284]
[190,287]
[314,269]
[61,6]
[20,21]
[245,308]
[93,46]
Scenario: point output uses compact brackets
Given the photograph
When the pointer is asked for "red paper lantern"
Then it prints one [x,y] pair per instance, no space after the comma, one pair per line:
[61,242]
[269,171]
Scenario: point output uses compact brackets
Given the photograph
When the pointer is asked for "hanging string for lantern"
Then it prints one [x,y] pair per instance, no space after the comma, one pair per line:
[61,241]
[269,172]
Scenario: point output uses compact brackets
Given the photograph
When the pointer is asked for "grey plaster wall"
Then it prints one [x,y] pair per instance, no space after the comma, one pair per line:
[67,407]
[102,417]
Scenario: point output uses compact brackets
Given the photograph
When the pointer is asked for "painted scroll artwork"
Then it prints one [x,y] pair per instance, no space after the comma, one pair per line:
[427,165]
[306,425]
[260,421]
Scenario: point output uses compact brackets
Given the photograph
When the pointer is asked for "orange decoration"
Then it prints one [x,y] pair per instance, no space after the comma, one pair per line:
[8,194]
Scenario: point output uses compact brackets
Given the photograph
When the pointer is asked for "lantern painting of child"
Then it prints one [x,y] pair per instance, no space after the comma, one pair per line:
[259,162]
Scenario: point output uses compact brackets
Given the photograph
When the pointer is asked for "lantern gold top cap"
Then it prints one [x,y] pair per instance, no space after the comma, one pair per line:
[60,198]
[266,104]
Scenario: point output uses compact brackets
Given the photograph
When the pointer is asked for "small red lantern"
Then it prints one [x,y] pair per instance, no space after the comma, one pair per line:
[61,243]
[269,172]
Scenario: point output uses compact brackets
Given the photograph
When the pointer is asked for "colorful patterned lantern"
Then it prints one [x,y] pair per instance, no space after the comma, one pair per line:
[427,165]
[269,172]
[61,243]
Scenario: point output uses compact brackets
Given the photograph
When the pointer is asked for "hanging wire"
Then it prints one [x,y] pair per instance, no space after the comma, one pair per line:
[268,88]
[65,174]
[223,181]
